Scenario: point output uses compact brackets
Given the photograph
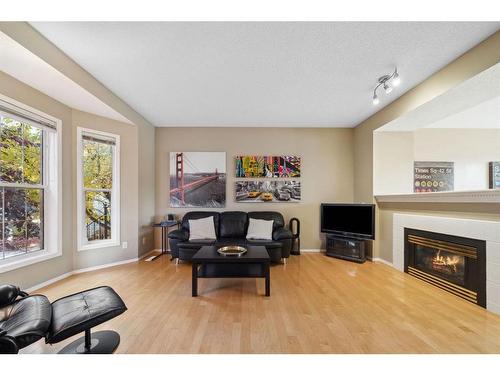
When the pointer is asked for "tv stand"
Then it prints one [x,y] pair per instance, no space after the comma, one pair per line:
[347,248]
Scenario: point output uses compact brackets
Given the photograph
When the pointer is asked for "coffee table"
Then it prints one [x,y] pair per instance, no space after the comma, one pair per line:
[208,263]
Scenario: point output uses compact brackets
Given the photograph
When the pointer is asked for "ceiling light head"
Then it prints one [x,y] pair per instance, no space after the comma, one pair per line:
[387,82]
[395,79]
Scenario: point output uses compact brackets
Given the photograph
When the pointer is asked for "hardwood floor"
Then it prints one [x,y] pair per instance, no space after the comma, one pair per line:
[317,305]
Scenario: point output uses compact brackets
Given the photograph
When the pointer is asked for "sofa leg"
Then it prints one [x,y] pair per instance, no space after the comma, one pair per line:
[176,261]
[284,260]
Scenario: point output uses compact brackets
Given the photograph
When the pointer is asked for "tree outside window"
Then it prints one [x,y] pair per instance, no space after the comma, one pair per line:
[21,188]
[97,177]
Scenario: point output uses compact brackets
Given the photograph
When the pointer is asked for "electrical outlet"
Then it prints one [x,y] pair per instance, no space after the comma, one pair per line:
[124,245]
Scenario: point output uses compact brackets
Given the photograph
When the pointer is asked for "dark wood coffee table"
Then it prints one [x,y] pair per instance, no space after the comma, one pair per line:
[208,263]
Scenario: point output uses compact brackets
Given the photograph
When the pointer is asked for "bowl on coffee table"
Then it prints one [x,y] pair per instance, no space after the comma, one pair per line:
[232,251]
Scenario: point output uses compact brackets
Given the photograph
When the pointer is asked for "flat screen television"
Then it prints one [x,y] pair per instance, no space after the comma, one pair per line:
[348,220]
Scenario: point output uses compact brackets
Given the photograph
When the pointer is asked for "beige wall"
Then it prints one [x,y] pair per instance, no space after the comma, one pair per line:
[327,167]
[479,58]
[128,190]
[39,272]
[130,183]
[469,149]
[147,187]
[32,40]
[393,158]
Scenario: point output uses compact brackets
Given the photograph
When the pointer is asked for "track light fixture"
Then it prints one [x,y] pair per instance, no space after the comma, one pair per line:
[387,81]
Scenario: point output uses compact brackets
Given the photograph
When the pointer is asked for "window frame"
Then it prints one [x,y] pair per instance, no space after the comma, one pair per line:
[51,185]
[82,242]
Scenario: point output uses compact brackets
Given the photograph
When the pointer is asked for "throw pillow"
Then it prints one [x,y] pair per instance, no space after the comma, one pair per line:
[202,229]
[260,229]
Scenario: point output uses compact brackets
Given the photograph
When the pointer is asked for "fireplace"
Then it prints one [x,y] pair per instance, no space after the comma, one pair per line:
[455,264]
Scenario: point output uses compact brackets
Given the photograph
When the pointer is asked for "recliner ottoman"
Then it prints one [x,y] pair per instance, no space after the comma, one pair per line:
[82,311]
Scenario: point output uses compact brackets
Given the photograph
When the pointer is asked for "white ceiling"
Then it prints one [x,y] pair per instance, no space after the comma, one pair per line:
[290,74]
[473,104]
[20,63]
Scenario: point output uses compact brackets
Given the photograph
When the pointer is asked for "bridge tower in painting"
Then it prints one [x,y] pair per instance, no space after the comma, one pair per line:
[179,174]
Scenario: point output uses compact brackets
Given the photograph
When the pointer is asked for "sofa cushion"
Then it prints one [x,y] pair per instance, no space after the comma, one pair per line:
[202,229]
[196,243]
[260,229]
[193,215]
[268,215]
[230,241]
[233,224]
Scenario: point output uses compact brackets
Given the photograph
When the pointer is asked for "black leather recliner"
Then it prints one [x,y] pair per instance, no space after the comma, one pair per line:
[231,229]
[22,321]
[25,319]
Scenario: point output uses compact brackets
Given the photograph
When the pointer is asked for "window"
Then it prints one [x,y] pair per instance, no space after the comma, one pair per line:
[29,185]
[98,189]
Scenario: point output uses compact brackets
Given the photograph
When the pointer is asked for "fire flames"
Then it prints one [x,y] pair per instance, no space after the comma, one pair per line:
[445,263]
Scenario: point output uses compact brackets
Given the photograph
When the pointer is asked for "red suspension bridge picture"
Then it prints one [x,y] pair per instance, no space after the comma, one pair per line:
[197,179]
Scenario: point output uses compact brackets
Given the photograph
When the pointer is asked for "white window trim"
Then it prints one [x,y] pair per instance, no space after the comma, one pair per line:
[82,243]
[52,228]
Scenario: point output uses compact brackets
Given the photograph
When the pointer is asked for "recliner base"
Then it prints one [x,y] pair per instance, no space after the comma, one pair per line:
[102,342]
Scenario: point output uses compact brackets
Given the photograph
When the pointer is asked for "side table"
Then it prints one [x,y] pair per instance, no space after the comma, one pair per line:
[165,227]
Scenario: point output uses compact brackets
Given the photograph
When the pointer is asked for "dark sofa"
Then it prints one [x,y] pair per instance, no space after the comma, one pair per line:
[231,229]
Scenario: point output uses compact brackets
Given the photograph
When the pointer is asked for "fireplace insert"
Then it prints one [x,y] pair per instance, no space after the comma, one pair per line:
[455,264]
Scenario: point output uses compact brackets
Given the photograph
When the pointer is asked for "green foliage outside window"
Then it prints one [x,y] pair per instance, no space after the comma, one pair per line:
[97,182]
[21,158]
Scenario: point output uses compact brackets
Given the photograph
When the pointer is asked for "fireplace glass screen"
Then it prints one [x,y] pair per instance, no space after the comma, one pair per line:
[455,264]
[445,264]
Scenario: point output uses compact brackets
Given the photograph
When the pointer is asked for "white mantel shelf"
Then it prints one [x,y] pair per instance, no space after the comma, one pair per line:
[475,196]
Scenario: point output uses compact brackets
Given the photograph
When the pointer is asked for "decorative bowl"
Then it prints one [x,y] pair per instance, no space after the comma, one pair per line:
[232,251]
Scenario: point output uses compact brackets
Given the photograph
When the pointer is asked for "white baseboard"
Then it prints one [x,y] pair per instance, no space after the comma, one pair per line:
[149,256]
[149,253]
[383,261]
[312,250]
[88,269]
[107,265]
[48,282]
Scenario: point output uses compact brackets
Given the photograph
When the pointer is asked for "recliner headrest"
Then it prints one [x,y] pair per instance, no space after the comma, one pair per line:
[9,293]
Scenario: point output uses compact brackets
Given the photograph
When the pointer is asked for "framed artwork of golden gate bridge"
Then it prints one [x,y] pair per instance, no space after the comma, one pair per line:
[281,166]
[198,179]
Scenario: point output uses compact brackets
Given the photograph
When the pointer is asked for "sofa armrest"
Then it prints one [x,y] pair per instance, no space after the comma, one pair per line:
[282,234]
[179,234]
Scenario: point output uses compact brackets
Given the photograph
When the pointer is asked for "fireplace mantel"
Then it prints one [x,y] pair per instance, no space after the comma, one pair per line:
[472,196]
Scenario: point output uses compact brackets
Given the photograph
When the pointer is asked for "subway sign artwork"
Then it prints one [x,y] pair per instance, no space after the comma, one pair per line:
[433,176]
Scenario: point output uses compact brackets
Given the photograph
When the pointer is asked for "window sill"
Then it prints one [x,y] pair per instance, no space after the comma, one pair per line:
[99,245]
[20,261]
